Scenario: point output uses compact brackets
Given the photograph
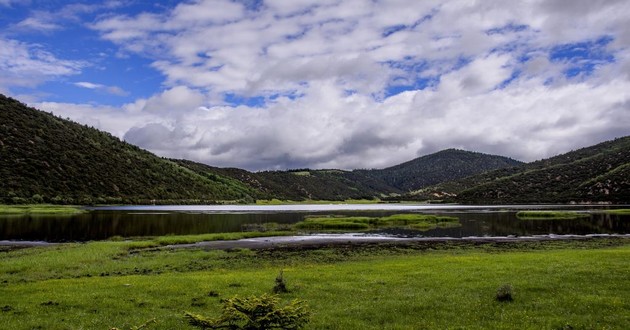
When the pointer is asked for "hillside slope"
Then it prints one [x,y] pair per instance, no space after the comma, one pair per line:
[599,173]
[44,158]
[304,184]
[446,165]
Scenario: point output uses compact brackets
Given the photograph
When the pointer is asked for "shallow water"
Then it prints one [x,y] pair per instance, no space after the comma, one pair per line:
[133,221]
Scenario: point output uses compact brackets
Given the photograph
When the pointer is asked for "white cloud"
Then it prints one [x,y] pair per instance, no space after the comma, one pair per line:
[324,69]
[23,64]
[37,24]
[114,90]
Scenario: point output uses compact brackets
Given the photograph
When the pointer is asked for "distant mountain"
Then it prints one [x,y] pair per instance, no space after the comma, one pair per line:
[446,165]
[361,184]
[44,158]
[600,173]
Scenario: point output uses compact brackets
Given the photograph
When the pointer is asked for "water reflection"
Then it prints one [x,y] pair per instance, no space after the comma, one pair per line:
[103,224]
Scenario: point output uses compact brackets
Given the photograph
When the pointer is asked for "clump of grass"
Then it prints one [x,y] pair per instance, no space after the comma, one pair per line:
[504,293]
[550,215]
[416,221]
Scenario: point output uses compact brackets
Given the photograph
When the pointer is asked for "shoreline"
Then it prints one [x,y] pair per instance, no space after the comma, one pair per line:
[329,240]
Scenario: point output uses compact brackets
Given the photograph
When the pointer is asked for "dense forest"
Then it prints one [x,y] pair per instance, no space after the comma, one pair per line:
[47,159]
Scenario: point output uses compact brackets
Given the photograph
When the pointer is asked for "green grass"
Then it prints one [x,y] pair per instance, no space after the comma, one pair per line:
[112,284]
[42,209]
[416,221]
[618,211]
[550,215]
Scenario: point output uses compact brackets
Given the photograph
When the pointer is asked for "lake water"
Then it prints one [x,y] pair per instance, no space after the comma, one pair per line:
[133,221]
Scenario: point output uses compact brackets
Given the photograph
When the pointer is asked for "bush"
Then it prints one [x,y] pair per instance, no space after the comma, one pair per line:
[504,293]
[281,286]
[253,313]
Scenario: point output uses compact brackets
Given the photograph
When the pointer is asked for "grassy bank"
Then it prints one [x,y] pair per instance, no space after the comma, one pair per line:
[40,209]
[551,215]
[582,284]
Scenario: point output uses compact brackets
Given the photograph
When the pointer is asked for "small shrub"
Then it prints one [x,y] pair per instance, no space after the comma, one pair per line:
[281,286]
[253,313]
[504,293]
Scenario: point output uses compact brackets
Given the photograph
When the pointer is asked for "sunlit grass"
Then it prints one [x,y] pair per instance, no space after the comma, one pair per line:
[106,284]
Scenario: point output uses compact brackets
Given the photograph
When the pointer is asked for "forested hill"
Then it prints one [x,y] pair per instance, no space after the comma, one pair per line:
[44,158]
[446,165]
[361,184]
[600,173]
[303,184]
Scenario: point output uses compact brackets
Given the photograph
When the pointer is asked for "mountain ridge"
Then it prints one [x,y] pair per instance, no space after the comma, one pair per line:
[597,173]
[44,158]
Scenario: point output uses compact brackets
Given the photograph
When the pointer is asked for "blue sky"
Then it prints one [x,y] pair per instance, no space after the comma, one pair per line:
[276,84]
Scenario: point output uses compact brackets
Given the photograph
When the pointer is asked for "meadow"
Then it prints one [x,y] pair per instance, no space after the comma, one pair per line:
[581,284]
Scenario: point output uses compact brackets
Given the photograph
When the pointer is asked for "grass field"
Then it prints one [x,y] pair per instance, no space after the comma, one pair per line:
[100,285]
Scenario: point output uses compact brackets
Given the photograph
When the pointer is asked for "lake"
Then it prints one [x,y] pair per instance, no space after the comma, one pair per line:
[101,223]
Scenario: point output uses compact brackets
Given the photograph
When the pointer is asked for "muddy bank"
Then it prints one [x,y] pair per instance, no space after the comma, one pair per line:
[331,240]
[14,245]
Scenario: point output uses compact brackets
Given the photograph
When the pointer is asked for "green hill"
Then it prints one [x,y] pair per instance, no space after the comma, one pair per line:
[44,158]
[302,184]
[443,166]
[600,173]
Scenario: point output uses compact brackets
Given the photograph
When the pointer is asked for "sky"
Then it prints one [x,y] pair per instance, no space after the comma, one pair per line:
[277,84]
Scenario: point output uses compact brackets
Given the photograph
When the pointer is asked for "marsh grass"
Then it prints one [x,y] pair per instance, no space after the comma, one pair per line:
[415,221]
[551,215]
[40,209]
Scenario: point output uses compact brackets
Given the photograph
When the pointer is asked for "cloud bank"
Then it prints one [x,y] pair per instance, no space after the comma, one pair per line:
[366,84]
